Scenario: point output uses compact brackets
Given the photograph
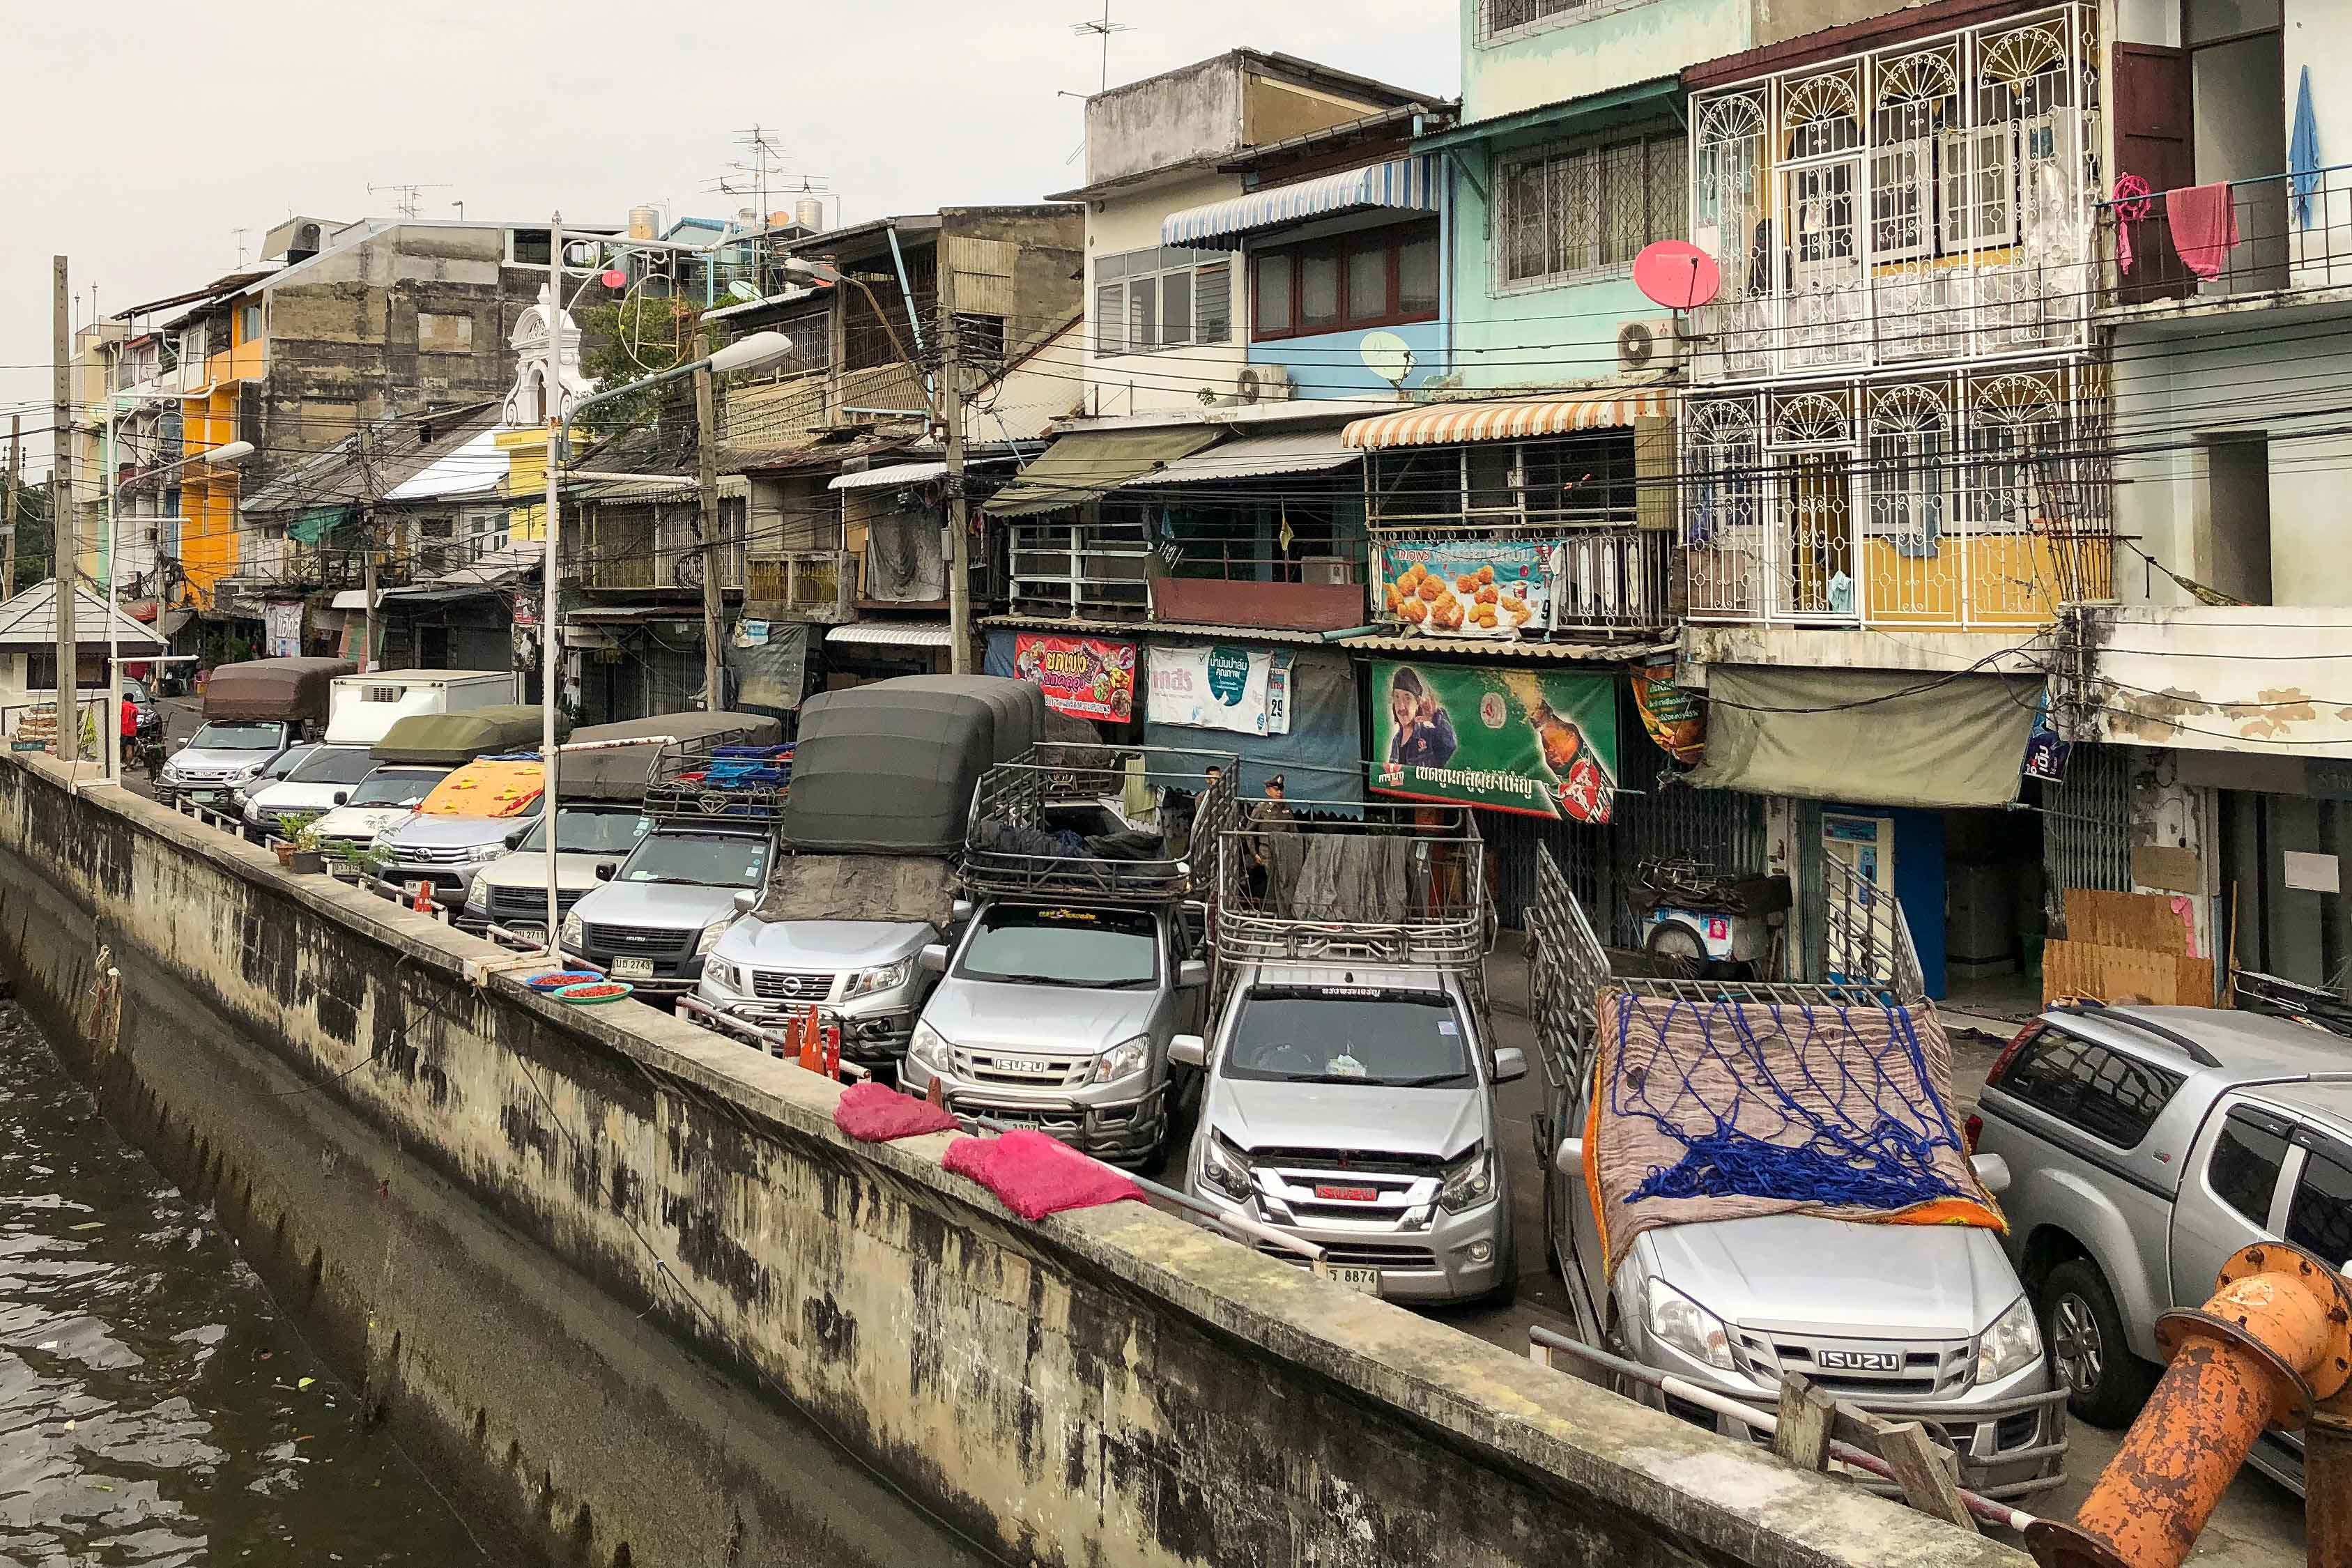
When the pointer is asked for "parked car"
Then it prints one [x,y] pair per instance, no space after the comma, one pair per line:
[479,813]
[656,920]
[321,779]
[385,797]
[592,839]
[286,762]
[253,712]
[2148,1145]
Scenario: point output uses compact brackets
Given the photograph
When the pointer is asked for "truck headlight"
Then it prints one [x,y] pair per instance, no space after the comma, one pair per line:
[928,1049]
[478,891]
[1222,1167]
[1688,1327]
[2010,1345]
[1123,1058]
[1469,1181]
[721,973]
[867,982]
[574,934]
[711,933]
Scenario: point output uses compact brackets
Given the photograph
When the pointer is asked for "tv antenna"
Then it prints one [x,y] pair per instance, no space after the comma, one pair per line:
[241,245]
[407,205]
[1102,29]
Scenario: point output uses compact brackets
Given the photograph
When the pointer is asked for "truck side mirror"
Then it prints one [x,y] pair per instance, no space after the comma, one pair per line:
[746,898]
[605,872]
[1992,1172]
[935,957]
[181,744]
[1191,974]
[1569,1158]
[1188,1051]
[1510,1065]
[515,836]
[341,797]
[960,912]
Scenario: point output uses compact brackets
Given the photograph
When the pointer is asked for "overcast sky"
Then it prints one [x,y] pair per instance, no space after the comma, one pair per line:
[142,133]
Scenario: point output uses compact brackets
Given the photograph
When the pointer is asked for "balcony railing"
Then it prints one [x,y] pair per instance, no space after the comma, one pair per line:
[1594,580]
[811,584]
[2276,233]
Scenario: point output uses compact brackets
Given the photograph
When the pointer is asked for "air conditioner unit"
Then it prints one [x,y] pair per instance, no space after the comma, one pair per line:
[1648,347]
[1334,570]
[1264,383]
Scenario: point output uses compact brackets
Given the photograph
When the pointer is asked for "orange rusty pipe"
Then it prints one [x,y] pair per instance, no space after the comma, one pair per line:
[2327,1484]
[2276,1338]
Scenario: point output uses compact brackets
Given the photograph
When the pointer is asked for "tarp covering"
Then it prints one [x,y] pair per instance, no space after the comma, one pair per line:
[316,523]
[860,888]
[486,789]
[1867,737]
[1254,456]
[268,688]
[889,768]
[449,738]
[622,772]
[1082,465]
[1322,758]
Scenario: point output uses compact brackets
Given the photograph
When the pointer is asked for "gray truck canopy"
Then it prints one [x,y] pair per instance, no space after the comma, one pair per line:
[890,768]
[449,739]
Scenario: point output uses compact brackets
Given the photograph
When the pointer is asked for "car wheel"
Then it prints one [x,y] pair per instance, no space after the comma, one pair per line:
[1678,950]
[2106,1383]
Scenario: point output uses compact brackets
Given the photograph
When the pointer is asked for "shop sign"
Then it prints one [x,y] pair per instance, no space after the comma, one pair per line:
[1544,744]
[1674,716]
[1085,678]
[2045,752]
[1470,587]
[1220,687]
[281,622]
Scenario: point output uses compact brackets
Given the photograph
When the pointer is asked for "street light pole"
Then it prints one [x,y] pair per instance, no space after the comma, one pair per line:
[550,396]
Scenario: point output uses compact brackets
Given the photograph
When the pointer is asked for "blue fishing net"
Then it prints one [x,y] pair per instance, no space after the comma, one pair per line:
[1830,1104]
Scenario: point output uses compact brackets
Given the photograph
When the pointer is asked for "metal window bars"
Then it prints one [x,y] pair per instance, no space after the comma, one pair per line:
[1404,886]
[1022,796]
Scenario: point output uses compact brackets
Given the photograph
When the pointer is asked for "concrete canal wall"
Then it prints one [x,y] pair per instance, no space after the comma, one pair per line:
[627,1287]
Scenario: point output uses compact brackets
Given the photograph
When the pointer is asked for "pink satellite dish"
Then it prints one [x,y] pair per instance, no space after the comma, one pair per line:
[614,278]
[1676,274]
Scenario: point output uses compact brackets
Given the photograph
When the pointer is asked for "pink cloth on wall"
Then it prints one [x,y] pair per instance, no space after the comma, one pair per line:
[1034,1176]
[872,1114]
[2204,223]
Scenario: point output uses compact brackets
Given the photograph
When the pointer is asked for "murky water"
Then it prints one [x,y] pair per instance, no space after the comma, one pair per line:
[155,1407]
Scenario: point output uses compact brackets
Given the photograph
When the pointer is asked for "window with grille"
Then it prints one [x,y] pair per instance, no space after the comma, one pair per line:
[486,531]
[1163,298]
[1586,209]
[1500,17]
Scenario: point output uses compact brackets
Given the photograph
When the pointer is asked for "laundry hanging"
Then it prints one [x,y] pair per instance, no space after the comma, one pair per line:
[2204,223]
[2303,152]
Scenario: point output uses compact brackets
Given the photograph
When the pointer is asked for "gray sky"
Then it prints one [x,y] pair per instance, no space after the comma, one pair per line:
[142,132]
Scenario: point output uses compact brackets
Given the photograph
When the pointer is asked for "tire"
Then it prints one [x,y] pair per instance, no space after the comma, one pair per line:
[2106,1383]
[1676,949]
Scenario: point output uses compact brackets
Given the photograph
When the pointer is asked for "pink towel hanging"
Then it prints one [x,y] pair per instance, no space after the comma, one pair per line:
[2204,223]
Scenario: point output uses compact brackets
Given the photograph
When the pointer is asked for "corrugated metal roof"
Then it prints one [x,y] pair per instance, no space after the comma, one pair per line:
[1590,652]
[1133,629]
[891,474]
[29,619]
[1410,184]
[1509,419]
[1254,457]
[893,634]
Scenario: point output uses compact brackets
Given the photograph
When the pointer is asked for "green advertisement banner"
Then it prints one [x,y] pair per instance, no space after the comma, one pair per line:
[1515,740]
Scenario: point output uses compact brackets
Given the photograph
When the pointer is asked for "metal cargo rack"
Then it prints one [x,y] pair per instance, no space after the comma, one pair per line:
[1444,926]
[1063,773]
[678,790]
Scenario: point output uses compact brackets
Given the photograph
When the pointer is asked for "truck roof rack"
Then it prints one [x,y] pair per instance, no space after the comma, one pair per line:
[743,785]
[1009,848]
[1404,885]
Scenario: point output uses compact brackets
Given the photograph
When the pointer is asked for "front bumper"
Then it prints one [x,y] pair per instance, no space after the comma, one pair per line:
[1111,1121]
[872,1037]
[671,976]
[1434,1265]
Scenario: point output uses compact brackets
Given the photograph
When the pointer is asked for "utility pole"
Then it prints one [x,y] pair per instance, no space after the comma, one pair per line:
[16,467]
[958,509]
[367,561]
[706,420]
[62,548]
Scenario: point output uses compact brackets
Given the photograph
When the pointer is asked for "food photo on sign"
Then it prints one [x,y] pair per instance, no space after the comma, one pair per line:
[1085,678]
[1472,588]
[1512,740]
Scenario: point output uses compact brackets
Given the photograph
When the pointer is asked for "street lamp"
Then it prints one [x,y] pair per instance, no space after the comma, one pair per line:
[745,353]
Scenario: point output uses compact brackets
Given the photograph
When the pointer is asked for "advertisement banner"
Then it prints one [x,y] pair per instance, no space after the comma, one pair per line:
[1676,719]
[1469,588]
[1085,678]
[281,622]
[1244,689]
[1543,745]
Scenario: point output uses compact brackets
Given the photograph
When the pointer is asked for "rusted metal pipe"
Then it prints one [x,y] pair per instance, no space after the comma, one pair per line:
[2327,1484]
[2275,1339]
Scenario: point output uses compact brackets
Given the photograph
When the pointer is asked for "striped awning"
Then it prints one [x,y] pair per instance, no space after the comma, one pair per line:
[1407,183]
[1514,419]
[895,474]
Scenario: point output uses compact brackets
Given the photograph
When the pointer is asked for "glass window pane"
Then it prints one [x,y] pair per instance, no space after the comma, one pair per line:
[1111,319]
[2245,1168]
[1417,277]
[2212,19]
[2321,1215]
[1490,478]
[1272,301]
[1143,315]
[1176,307]
[1319,290]
[1367,284]
[1212,302]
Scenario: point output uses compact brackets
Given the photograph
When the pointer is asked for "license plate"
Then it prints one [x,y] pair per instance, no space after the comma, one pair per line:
[1346,1195]
[537,933]
[631,968]
[1367,1280]
[206,796]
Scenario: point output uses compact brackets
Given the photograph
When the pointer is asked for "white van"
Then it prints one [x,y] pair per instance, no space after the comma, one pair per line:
[361,708]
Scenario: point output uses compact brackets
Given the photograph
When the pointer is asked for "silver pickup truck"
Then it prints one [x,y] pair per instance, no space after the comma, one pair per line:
[2150,1144]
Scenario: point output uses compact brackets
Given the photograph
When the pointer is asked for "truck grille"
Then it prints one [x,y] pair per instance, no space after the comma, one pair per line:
[1868,1370]
[1013,1070]
[435,855]
[1359,1256]
[639,939]
[528,901]
[791,985]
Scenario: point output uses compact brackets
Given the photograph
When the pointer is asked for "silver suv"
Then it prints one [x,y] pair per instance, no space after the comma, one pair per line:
[2148,1144]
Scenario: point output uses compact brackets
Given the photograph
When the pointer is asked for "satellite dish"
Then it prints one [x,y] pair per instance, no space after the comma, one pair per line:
[1388,356]
[613,278]
[743,290]
[1676,274]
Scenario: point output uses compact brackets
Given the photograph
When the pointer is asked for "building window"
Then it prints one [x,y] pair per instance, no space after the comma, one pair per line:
[40,669]
[1496,17]
[529,246]
[1164,298]
[249,323]
[485,530]
[981,340]
[1382,277]
[1586,480]
[1591,208]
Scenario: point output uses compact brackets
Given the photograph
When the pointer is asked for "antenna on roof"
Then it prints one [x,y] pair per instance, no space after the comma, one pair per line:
[407,205]
[1102,29]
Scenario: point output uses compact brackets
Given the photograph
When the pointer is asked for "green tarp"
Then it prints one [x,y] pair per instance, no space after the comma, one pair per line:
[316,523]
[1867,737]
[1078,468]
[449,739]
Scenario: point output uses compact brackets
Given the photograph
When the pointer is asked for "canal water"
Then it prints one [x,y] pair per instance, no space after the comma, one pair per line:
[156,1408]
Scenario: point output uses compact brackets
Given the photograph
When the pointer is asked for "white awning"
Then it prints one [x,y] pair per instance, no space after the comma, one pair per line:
[895,474]
[892,634]
[351,599]
[1407,183]
[1254,457]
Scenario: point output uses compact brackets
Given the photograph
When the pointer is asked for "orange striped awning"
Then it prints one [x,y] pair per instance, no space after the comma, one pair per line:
[1513,419]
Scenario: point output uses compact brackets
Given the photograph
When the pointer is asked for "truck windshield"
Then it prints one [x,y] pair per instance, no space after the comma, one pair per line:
[387,787]
[333,765]
[1396,1039]
[289,759]
[700,859]
[223,736]
[1103,950]
[581,830]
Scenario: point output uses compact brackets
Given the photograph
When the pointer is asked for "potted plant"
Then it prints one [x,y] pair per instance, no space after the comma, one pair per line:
[298,845]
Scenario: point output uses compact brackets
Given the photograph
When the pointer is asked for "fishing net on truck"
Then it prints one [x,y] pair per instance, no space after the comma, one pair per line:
[1735,1108]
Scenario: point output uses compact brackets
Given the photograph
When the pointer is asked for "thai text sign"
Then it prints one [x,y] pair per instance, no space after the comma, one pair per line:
[1220,687]
[1085,678]
[1545,744]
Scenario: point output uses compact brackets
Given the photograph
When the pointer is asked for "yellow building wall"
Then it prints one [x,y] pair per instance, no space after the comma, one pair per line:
[2011,579]
[526,453]
[210,539]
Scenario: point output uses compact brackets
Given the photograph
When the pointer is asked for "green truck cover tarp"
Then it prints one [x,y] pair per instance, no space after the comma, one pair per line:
[449,738]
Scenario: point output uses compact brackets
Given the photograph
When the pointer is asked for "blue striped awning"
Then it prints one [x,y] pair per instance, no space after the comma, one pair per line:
[1407,183]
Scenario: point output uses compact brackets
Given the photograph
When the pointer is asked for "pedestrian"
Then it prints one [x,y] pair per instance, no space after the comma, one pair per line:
[1275,849]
